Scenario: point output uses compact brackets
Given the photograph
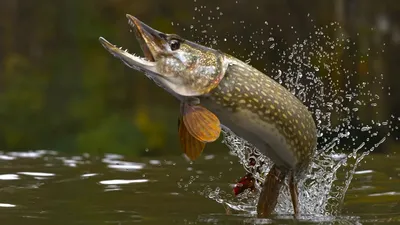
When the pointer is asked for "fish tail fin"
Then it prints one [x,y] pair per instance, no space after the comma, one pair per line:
[270,191]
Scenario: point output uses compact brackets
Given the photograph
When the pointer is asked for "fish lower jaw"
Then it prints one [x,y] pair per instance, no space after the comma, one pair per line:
[130,59]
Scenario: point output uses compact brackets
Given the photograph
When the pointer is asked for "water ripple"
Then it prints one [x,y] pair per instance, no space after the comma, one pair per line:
[89,175]
[155,162]
[363,172]
[37,174]
[99,177]
[113,182]
[32,154]
[385,193]
[126,166]
[209,157]
[9,177]
[6,157]
[6,205]
[122,165]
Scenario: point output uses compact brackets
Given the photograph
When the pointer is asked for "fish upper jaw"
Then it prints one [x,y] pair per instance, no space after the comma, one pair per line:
[150,42]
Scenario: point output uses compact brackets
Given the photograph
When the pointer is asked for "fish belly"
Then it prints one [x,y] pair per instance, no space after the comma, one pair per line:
[259,133]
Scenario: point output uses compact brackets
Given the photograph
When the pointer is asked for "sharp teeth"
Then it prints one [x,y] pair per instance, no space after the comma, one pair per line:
[120,48]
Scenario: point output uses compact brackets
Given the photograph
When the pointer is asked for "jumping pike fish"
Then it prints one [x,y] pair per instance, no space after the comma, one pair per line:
[216,89]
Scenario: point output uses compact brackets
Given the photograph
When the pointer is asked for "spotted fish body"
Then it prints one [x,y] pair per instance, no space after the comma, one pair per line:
[215,88]
[264,113]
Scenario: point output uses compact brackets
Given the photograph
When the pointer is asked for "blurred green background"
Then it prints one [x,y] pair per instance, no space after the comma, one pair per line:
[59,89]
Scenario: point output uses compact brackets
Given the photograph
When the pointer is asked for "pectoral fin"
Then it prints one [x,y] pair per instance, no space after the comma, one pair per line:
[201,123]
[190,145]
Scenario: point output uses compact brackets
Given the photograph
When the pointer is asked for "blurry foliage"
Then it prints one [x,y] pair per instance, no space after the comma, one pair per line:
[60,89]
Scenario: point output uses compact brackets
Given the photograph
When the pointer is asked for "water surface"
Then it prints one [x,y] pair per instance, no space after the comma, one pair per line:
[45,187]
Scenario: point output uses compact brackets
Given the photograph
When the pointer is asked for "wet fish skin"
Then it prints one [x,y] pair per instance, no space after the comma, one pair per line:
[246,101]
[263,112]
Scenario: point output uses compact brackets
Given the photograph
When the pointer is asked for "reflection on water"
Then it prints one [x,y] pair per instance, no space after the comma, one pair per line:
[281,219]
[9,177]
[123,181]
[44,187]
[6,205]
[114,162]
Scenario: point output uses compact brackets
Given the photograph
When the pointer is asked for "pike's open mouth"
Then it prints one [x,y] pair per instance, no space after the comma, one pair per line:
[143,35]
[147,38]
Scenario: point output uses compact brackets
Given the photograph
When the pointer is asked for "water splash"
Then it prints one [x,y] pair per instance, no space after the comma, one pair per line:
[315,70]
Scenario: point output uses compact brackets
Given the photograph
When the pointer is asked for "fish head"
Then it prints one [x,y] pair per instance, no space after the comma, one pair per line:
[178,65]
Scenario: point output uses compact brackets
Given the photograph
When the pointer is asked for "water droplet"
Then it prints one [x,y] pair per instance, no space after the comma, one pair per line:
[366,128]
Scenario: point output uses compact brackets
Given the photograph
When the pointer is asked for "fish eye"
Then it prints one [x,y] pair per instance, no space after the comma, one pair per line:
[174,44]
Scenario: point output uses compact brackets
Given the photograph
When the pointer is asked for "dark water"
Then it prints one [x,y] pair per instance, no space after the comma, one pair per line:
[44,187]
